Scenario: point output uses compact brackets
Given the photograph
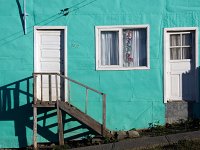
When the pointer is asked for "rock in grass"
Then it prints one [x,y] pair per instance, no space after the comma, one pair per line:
[121,135]
[132,134]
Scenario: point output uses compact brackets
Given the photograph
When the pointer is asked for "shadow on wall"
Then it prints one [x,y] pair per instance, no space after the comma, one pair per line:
[189,106]
[16,97]
[55,17]
[13,108]
[16,105]
[190,92]
[21,14]
[196,105]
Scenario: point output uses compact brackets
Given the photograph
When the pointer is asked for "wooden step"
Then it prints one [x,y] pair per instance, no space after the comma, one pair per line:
[84,118]
[45,104]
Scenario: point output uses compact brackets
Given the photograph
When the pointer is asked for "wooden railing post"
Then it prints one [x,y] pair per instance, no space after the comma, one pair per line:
[35,114]
[60,124]
[35,127]
[35,88]
[41,87]
[104,113]
[68,89]
[56,79]
[50,89]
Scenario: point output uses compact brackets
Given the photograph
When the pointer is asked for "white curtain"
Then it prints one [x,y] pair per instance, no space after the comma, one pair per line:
[109,48]
[184,47]
[175,40]
[135,48]
[175,53]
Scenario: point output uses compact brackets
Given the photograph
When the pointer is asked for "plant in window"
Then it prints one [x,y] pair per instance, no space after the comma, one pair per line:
[127,50]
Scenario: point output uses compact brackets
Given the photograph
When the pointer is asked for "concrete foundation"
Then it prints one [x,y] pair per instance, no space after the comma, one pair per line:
[178,110]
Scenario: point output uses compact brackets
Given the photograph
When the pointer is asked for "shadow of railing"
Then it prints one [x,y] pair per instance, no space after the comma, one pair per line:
[15,108]
[16,105]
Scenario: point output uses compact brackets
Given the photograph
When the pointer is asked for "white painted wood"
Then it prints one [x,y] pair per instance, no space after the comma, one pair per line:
[49,56]
[180,76]
[175,86]
[166,76]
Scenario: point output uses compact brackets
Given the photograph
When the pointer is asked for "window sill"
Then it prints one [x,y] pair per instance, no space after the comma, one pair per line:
[122,68]
[180,60]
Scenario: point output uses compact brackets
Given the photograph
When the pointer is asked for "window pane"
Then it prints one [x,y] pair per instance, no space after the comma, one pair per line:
[187,53]
[134,47]
[175,40]
[187,39]
[109,48]
[175,53]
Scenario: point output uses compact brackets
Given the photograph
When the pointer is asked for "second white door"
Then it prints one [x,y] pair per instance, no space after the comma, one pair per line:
[181,66]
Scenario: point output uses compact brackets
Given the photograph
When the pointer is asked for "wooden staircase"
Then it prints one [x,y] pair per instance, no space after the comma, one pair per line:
[66,107]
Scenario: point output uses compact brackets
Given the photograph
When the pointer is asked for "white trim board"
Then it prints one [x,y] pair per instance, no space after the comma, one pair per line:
[37,28]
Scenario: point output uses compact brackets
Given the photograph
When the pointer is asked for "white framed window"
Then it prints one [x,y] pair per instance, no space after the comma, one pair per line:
[181,45]
[122,47]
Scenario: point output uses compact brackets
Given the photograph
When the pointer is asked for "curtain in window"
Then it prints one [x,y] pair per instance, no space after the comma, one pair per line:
[109,48]
[175,53]
[186,53]
[135,48]
[181,46]
[175,40]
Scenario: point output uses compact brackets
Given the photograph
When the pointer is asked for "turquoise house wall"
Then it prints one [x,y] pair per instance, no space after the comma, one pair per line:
[134,97]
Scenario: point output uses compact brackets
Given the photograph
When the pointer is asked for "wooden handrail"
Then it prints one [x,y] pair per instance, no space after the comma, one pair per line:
[54,73]
[83,85]
[45,73]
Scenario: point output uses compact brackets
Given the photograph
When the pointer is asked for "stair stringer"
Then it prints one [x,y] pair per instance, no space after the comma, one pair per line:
[84,118]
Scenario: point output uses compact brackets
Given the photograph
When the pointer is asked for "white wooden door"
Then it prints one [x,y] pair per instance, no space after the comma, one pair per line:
[180,67]
[50,59]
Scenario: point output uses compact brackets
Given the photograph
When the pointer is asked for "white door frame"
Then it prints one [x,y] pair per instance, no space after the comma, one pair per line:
[36,51]
[166,53]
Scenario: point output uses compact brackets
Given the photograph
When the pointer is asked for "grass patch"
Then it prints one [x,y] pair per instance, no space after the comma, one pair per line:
[179,127]
[181,145]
